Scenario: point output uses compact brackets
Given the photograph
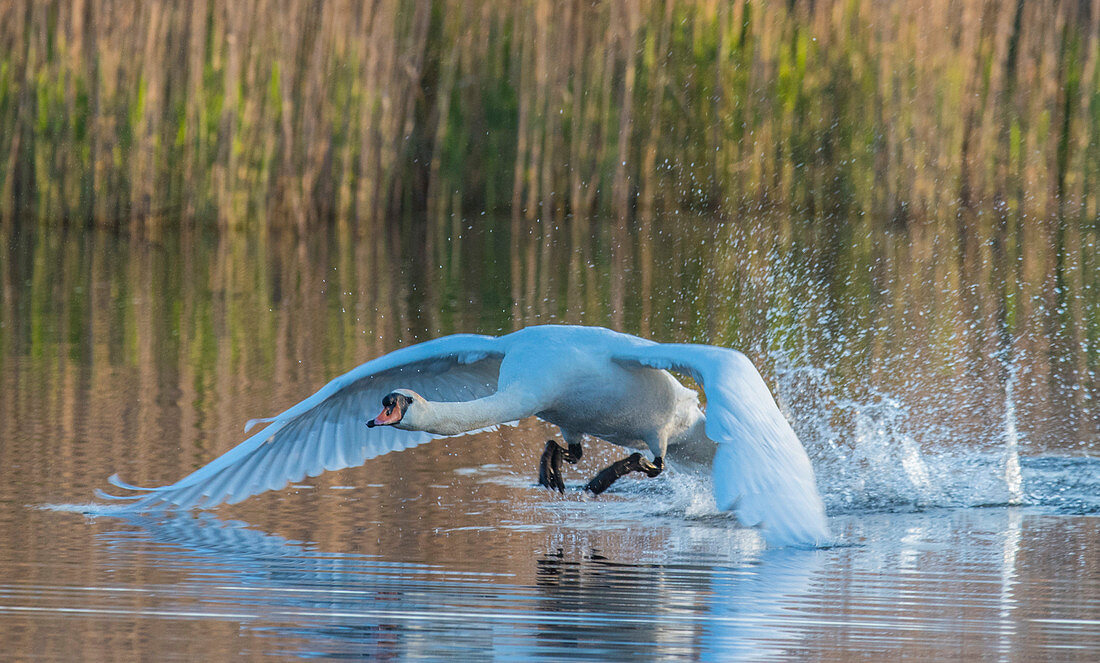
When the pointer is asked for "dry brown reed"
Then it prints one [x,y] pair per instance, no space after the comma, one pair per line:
[293,112]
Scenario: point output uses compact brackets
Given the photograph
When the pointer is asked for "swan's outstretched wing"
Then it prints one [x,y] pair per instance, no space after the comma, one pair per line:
[761,471]
[328,431]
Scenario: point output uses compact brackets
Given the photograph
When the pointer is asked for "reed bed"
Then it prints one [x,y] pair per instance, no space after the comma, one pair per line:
[299,113]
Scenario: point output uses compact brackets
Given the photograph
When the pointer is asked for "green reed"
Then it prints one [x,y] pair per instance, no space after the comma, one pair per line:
[293,113]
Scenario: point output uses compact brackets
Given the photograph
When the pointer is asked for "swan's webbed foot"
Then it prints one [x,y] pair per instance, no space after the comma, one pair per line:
[635,462]
[550,467]
[550,463]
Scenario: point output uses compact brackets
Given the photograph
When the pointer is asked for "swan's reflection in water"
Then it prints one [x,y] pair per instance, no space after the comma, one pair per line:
[1001,583]
[680,609]
[571,601]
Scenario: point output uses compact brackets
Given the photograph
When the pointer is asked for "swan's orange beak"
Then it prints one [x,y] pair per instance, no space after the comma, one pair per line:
[389,416]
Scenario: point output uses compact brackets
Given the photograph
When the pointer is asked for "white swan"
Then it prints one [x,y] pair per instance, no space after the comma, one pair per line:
[586,380]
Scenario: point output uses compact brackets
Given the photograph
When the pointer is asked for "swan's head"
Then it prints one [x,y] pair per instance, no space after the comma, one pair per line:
[395,407]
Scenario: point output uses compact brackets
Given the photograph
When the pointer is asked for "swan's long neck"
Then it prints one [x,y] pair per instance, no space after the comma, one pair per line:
[454,418]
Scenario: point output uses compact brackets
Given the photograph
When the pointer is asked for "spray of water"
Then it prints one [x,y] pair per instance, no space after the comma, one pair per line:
[1014,481]
[875,453]
[874,448]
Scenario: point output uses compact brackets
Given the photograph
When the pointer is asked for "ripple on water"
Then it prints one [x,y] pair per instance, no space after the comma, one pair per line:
[493,566]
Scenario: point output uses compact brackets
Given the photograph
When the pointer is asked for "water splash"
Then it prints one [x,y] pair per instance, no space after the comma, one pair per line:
[1014,481]
[873,446]
[874,452]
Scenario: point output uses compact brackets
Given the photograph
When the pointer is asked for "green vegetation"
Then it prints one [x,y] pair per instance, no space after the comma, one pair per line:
[300,113]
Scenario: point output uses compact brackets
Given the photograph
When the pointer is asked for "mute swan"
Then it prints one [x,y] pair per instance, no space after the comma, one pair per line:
[586,380]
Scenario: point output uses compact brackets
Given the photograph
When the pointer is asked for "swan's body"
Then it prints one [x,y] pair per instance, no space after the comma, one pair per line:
[586,380]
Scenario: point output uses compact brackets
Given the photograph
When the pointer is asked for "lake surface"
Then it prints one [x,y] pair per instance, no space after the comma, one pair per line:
[955,450]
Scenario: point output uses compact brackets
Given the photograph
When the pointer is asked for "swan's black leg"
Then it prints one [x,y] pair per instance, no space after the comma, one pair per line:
[635,462]
[550,467]
[550,463]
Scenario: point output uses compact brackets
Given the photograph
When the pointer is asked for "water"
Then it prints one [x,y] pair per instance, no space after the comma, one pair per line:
[482,564]
[965,506]
[438,557]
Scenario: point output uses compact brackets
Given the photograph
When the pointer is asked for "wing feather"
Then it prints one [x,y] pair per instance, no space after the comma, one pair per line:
[761,471]
[327,431]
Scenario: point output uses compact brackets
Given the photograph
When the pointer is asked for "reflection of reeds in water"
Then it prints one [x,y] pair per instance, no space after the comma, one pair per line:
[299,112]
[156,352]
